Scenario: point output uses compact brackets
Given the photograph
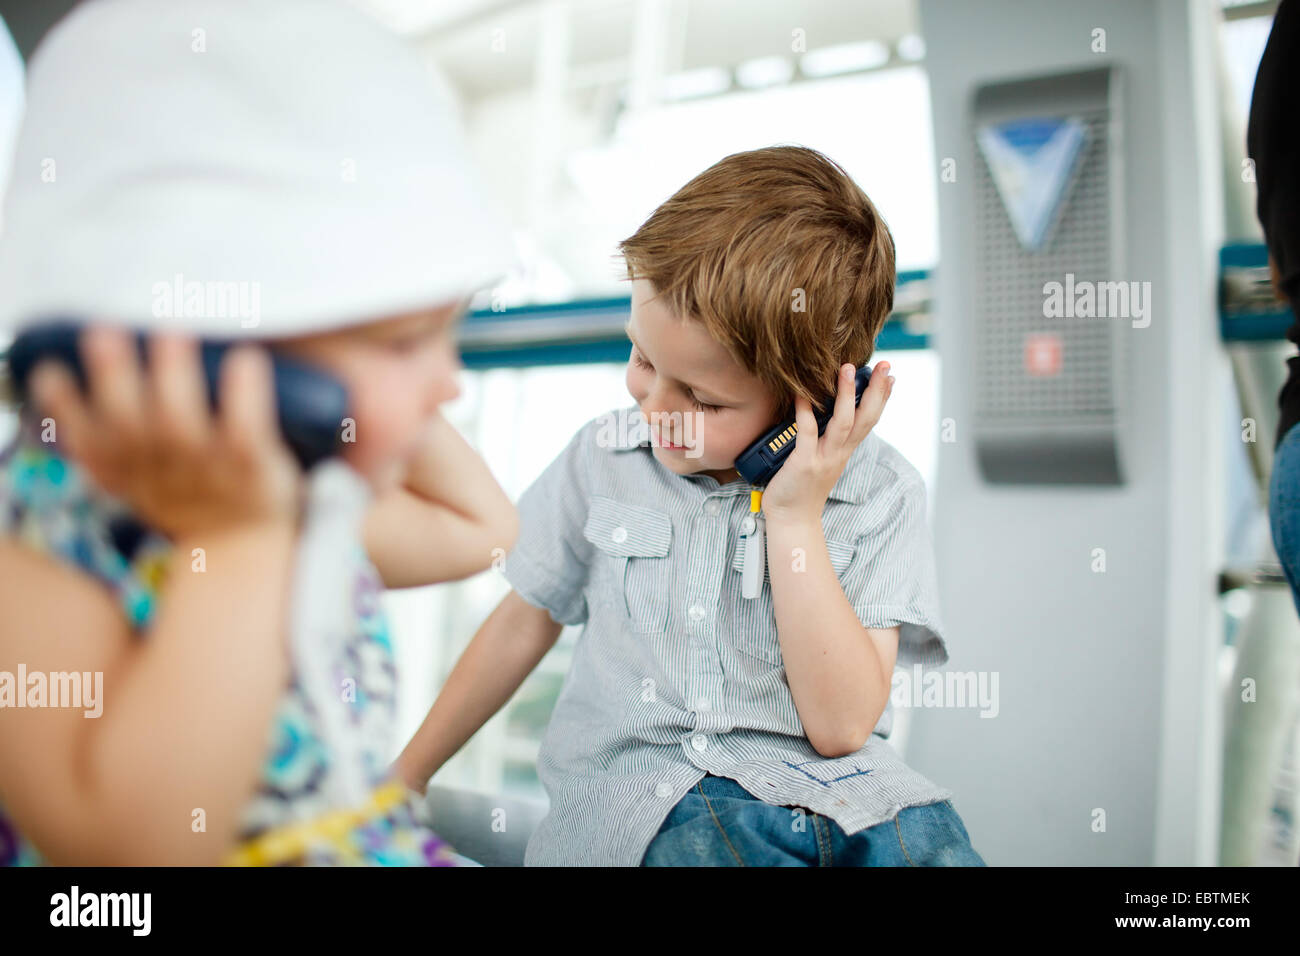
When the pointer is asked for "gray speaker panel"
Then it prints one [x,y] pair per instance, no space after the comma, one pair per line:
[1061,428]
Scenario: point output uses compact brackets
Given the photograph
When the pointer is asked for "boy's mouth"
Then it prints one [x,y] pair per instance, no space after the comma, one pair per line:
[664,443]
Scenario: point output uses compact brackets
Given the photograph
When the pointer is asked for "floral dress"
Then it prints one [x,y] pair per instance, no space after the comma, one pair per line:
[46,503]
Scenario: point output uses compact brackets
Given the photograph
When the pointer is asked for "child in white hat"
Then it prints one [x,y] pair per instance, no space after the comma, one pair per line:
[194,667]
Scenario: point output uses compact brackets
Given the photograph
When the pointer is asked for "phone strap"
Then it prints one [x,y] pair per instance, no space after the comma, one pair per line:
[755,551]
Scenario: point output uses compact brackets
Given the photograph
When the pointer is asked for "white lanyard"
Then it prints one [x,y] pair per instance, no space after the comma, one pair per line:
[753,541]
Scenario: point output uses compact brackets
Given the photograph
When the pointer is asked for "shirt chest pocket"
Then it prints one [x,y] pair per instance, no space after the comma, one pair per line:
[632,567]
[755,631]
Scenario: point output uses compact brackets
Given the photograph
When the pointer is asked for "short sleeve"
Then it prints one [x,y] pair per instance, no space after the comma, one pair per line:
[50,506]
[891,580]
[548,565]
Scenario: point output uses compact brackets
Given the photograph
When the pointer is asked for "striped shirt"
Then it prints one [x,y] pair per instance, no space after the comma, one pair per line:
[675,674]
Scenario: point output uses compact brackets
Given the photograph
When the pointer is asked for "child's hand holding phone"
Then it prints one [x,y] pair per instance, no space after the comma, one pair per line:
[149,436]
[798,491]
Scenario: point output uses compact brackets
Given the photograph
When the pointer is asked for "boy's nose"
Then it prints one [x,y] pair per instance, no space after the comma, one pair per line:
[656,401]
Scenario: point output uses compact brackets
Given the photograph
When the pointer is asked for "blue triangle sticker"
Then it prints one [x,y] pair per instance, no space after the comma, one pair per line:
[1033,163]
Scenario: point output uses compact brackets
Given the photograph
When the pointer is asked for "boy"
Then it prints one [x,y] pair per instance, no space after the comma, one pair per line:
[696,726]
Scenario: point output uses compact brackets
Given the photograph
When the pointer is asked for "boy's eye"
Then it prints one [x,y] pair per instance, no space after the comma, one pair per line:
[704,406]
[699,405]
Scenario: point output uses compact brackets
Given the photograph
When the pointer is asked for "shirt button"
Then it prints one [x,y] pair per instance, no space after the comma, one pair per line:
[711,506]
[702,704]
[699,742]
[619,534]
[665,789]
[696,612]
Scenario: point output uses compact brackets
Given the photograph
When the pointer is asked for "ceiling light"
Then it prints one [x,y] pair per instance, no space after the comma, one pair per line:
[845,58]
[910,47]
[707,81]
[764,71]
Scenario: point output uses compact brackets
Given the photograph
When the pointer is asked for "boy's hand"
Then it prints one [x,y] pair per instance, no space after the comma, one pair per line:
[799,490]
[149,437]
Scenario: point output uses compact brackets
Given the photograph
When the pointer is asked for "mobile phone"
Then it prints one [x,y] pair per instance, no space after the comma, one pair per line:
[311,404]
[761,460]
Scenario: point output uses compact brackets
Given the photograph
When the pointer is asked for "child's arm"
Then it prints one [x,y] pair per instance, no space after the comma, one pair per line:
[840,681]
[186,711]
[506,649]
[448,519]
[827,662]
[549,564]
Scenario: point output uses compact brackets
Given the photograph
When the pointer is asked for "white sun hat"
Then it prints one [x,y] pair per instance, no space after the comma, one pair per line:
[238,168]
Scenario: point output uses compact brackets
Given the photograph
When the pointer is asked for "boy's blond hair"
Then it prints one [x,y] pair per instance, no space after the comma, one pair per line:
[784,260]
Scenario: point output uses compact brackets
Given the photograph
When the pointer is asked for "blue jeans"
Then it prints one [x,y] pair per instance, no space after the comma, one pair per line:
[720,823]
[1284,508]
